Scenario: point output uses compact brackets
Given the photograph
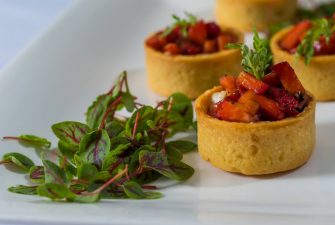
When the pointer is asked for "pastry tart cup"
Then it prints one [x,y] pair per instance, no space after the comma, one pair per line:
[318,77]
[255,148]
[244,15]
[190,74]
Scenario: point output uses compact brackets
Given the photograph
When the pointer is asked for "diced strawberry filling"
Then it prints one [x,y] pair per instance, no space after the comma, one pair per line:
[249,82]
[278,96]
[297,34]
[197,38]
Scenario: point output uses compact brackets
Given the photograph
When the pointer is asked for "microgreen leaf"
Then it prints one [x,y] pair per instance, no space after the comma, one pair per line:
[86,198]
[28,140]
[53,173]
[157,161]
[19,160]
[55,191]
[23,189]
[321,27]
[36,174]
[255,61]
[94,147]
[87,171]
[133,190]
[70,132]
[183,24]
[181,145]
[95,112]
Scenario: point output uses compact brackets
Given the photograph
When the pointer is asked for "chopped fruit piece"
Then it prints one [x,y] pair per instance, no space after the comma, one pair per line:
[272,79]
[287,103]
[188,48]
[210,46]
[228,83]
[248,103]
[213,30]
[174,35]
[223,40]
[270,108]
[288,78]
[154,42]
[228,111]
[251,83]
[172,49]
[292,38]
[198,32]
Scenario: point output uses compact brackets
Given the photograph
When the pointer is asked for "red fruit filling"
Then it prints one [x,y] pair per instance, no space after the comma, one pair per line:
[296,35]
[191,39]
[277,96]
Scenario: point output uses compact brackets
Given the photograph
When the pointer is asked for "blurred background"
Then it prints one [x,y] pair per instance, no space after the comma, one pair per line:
[21,21]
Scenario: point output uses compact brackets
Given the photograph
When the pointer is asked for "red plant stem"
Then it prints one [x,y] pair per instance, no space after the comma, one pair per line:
[149,187]
[109,109]
[105,185]
[11,138]
[135,125]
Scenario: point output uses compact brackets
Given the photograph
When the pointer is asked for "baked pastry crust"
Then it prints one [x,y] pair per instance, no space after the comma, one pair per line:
[244,15]
[318,77]
[255,148]
[190,74]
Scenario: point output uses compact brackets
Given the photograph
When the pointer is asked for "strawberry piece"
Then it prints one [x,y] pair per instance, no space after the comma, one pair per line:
[210,46]
[174,35]
[291,40]
[287,103]
[228,83]
[288,78]
[213,30]
[188,48]
[222,40]
[247,102]
[172,49]
[251,83]
[272,79]
[154,43]
[198,32]
[228,111]
[270,108]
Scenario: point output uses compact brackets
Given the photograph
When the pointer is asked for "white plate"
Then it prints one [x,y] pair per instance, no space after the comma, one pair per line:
[59,75]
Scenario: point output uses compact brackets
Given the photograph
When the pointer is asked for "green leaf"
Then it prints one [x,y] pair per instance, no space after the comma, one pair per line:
[28,140]
[87,171]
[183,106]
[94,147]
[134,191]
[112,156]
[36,174]
[175,170]
[66,149]
[255,61]
[321,27]
[23,189]
[183,24]
[96,111]
[181,145]
[55,191]
[19,160]
[128,101]
[70,132]
[53,173]
[114,128]
[90,198]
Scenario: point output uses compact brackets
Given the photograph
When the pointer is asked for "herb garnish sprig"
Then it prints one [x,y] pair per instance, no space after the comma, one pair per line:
[255,61]
[110,156]
[183,24]
[321,28]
